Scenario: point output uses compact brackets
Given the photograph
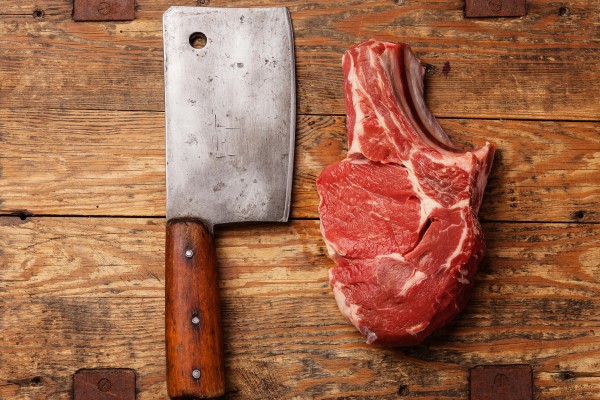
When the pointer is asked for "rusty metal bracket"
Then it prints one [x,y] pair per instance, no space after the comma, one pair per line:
[104,10]
[495,8]
[104,384]
[506,382]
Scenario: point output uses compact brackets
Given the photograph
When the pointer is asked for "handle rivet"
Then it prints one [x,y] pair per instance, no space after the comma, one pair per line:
[196,374]
[189,253]
[195,320]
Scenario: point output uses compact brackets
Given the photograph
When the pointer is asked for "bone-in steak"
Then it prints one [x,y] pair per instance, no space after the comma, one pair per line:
[399,214]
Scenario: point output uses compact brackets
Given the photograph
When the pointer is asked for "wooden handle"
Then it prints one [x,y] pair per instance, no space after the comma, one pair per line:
[192,313]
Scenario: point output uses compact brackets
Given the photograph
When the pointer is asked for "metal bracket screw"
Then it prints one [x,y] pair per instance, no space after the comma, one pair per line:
[104,385]
[189,253]
[196,374]
[103,10]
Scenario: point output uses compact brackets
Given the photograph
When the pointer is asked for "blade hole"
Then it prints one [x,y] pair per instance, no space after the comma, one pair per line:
[198,40]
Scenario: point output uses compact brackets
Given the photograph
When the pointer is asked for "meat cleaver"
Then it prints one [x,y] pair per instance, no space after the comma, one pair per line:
[230,109]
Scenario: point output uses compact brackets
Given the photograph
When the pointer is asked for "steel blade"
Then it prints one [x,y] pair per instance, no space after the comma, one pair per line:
[230,113]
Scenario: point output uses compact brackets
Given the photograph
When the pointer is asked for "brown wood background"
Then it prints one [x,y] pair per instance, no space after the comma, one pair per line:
[82,205]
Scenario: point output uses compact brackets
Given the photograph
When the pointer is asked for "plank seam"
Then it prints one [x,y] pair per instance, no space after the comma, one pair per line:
[27,216]
[438,117]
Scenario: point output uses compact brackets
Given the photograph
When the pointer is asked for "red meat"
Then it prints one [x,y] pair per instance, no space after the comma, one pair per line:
[399,214]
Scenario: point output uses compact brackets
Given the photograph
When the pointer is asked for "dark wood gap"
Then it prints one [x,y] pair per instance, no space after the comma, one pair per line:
[483,221]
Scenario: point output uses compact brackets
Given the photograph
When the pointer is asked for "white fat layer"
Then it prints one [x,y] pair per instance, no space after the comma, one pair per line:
[482,155]
[371,336]
[331,249]
[416,278]
[379,215]
[462,278]
[348,310]
[357,88]
[459,247]
[356,99]
[427,203]
[461,204]
[393,256]
[413,330]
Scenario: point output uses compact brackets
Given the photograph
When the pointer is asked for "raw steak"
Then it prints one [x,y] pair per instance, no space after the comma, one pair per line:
[399,214]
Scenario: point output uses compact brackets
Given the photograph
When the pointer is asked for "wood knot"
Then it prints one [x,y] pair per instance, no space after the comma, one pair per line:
[429,69]
[566,375]
[403,390]
[38,13]
[564,11]
[36,381]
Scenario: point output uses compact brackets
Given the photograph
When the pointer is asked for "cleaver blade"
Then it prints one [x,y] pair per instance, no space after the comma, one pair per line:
[230,110]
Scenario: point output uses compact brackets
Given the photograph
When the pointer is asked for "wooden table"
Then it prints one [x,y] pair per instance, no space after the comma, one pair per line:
[82,198]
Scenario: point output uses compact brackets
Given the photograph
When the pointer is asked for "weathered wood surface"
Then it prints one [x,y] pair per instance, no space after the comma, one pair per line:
[70,162]
[541,66]
[89,292]
[192,291]
[82,133]
[124,257]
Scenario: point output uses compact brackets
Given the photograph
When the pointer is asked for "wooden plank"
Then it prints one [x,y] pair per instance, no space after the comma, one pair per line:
[472,89]
[57,336]
[535,67]
[77,292]
[88,292]
[543,171]
[69,162]
[566,29]
[91,162]
[45,341]
[124,257]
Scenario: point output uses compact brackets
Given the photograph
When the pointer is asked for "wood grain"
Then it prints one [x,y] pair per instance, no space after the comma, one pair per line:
[69,162]
[90,162]
[124,257]
[535,302]
[500,68]
[545,165]
[82,134]
[192,292]
[298,359]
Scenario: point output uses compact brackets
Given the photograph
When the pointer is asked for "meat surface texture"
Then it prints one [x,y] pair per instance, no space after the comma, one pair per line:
[399,213]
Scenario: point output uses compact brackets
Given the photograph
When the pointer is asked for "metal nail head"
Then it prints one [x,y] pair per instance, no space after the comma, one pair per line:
[196,374]
[195,320]
[189,253]
[104,385]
